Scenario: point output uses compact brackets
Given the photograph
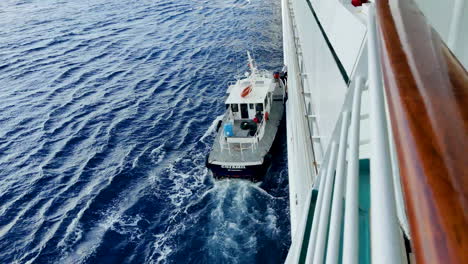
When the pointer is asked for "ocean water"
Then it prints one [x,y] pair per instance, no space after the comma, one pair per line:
[106,116]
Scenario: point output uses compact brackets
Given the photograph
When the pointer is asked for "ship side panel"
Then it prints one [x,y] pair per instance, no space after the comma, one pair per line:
[300,156]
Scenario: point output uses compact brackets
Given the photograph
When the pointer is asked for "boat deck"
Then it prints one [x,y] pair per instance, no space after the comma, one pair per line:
[243,152]
[238,132]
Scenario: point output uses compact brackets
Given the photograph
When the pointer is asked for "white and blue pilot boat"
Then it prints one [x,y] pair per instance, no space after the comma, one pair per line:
[247,131]
[377,130]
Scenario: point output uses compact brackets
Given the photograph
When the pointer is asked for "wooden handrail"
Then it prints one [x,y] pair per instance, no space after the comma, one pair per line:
[427,93]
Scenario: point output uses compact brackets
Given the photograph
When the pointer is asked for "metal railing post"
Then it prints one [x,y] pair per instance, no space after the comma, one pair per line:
[323,220]
[385,233]
[351,219]
[333,244]
[315,224]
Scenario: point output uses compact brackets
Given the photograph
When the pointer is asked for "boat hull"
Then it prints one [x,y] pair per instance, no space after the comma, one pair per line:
[253,173]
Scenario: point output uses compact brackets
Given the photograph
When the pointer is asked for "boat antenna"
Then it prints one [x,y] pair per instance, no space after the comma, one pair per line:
[251,63]
[238,68]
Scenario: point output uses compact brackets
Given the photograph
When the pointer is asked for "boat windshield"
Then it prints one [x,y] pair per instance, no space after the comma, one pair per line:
[259,107]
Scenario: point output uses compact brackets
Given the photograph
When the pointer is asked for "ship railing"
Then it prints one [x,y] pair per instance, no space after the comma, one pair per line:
[418,132]
[386,235]
[231,83]
[427,91]
[318,236]
[331,226]
[260,131]
[283,89]
[263,73]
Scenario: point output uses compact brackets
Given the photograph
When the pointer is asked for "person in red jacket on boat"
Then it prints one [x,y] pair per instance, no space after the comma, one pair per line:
[258,117]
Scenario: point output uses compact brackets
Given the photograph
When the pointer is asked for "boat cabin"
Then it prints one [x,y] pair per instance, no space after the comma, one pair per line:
[249,100]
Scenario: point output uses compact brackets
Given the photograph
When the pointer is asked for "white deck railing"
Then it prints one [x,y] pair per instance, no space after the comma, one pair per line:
[385,233]
[351,217]
[338,181]
[341,166]
[241,143]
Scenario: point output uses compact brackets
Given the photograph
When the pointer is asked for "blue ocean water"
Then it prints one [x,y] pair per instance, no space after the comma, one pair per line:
[106,117]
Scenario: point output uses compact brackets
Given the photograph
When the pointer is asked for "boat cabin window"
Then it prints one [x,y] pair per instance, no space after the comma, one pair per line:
[235,108]
[244,111]
[251,106]
[259,107]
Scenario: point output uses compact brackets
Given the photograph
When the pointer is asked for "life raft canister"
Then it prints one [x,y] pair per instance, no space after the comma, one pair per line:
[246,91]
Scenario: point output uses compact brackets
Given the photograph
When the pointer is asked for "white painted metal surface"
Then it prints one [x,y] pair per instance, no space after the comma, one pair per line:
[322,217]
[293,256]
[450,19]
[351,222]
[260,84]
[300,158]
[322,220]
[333,245]
[324,86]
[455,24]
[385,233]
[344,27]
[400,203]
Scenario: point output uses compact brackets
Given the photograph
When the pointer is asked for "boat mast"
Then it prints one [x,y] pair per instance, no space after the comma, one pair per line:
[253,69]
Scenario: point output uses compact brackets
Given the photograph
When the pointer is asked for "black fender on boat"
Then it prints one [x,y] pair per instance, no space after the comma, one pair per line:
[206,160]
[218,125]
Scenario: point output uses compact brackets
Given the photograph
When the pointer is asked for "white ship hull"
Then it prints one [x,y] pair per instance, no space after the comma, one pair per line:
[331,52]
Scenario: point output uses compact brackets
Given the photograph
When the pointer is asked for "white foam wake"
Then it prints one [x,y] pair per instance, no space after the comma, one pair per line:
[212,128]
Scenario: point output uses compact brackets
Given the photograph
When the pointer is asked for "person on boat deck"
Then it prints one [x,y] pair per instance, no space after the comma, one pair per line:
[258,117]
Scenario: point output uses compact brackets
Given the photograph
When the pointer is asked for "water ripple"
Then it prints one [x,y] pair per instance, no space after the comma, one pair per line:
[107,111]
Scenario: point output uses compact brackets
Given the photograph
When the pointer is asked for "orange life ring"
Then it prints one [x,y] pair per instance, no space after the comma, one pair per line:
[246,91]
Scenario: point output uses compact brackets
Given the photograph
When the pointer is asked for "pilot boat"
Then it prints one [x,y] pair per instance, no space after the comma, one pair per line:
[247,131]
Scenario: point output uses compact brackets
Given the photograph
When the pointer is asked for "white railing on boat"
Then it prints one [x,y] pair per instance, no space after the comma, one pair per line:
[242,143]
[335,209]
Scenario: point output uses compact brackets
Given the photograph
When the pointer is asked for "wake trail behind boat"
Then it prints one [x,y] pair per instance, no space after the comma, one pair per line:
[107,115]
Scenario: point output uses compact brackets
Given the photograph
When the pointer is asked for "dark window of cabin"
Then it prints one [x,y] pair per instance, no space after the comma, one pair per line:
[259,107]
[235,108]
[251,106]
[244,111]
